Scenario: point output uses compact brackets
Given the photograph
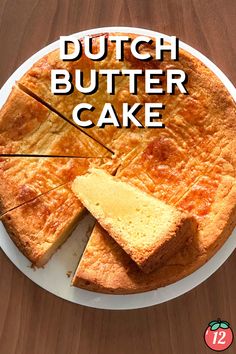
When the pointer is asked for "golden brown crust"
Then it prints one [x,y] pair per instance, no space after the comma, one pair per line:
[45,217]
[39,227]
[28,127]
[187,115]
[38,80]
[23,179]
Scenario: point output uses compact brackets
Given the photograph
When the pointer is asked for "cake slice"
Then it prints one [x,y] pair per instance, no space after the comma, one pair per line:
[149,230]
[40,226]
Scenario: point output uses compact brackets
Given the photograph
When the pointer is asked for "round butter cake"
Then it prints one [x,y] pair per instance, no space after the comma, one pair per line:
[190,163]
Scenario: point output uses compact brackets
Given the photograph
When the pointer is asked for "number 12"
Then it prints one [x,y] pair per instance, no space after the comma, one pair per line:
[221,335]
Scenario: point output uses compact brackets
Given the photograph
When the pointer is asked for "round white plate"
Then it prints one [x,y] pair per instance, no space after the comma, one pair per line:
[54,277]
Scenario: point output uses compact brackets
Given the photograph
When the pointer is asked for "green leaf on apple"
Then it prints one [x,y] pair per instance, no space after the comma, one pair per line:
[212,323]
[215,326]
[224,325]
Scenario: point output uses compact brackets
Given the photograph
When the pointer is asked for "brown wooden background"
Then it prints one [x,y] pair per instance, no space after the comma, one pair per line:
[33,321]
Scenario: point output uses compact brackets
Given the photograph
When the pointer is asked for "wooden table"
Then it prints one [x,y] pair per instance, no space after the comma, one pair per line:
[32,321]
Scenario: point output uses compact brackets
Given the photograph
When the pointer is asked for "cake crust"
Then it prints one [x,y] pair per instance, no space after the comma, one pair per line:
[28,127]
[40,226]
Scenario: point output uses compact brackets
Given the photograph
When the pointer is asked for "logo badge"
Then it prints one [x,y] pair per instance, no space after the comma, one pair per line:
[218,335]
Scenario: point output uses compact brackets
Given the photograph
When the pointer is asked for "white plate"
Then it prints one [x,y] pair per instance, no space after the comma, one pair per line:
[53,277]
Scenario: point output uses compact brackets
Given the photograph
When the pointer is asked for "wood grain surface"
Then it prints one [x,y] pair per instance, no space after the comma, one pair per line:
[32,321]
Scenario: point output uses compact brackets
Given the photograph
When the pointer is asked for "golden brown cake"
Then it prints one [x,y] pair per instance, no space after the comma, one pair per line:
[40,226]
[105,267]
[120,140]
[31,185]
[185,116]
[210,198]
[28,127]
[149,230]
[190,164]
[40,211]
[38,81]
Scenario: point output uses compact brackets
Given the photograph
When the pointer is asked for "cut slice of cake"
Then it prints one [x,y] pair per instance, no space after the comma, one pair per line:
[149,230]
[40,226]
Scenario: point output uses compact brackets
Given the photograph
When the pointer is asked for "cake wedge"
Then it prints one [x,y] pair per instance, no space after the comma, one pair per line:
[51,218]
[149,230]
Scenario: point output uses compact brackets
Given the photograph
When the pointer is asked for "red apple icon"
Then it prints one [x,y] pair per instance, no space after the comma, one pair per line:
[218,335]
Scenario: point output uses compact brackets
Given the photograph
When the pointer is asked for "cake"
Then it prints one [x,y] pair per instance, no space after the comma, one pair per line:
[37,204]
[149,230]
[190,165]
[28,127]
[40,226]
[105,267]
